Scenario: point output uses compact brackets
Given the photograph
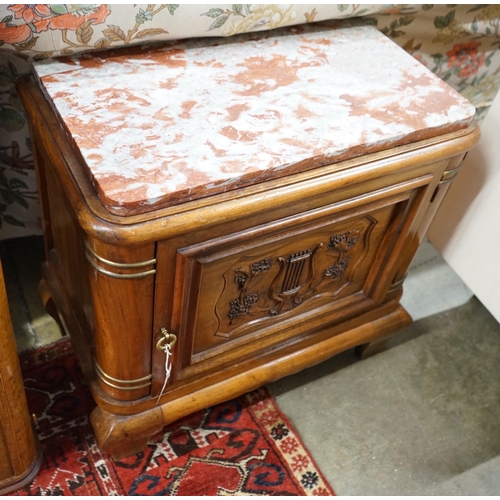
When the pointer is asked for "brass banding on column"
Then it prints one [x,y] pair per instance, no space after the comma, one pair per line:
[119,264]
[89,253]
[127,385]
[397,283]
[449,175]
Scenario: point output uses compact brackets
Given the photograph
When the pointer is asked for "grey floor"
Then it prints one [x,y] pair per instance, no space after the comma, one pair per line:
[421,418]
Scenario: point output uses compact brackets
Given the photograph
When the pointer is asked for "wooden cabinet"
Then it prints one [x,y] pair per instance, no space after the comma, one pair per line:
[20,456]
[248,283]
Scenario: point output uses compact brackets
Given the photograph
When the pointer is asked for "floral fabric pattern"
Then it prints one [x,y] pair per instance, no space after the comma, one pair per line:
[459,43]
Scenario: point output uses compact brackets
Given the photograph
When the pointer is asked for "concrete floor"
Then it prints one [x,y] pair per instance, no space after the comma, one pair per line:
[422,418]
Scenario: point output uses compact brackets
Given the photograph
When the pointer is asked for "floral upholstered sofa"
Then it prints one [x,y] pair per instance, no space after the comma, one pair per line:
[460,43]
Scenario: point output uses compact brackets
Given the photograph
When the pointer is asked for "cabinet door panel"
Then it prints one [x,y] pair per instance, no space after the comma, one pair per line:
[242,290]
[248,291]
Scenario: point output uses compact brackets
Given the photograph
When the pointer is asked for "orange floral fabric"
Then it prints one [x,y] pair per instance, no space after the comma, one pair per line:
[466,57]
[39,18]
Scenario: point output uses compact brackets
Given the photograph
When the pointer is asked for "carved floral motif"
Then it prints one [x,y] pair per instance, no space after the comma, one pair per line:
[241,307]
[343,244]
[261,266]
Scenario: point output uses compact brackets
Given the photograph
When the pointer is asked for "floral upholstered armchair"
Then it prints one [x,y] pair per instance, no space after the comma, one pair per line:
[460,43]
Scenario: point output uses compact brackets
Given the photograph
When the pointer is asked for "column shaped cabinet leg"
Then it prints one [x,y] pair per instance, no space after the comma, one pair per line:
[122,288]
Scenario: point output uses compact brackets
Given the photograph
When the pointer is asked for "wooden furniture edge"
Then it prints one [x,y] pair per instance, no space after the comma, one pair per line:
[22,447]
[17,482]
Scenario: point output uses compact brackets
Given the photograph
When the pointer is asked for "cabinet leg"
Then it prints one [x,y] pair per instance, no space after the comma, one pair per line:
[378,345]
[49,304]
[122,436]
[368,350]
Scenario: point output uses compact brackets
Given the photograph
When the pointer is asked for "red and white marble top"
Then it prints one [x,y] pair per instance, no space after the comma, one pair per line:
[163,125]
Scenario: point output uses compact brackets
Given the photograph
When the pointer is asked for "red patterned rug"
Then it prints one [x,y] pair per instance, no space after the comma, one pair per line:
[243,447]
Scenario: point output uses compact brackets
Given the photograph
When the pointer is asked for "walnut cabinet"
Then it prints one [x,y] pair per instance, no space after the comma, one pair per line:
[221,213]
[254,284]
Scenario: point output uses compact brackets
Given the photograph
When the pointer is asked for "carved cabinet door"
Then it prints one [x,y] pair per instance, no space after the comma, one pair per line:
[245,292]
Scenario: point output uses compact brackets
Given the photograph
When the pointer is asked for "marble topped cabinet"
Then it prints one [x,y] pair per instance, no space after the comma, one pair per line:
[251,203]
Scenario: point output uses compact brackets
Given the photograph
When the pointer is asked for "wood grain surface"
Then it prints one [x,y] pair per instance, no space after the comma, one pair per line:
[20,457]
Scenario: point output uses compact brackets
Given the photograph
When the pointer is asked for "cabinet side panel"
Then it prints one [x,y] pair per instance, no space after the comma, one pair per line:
[66,257]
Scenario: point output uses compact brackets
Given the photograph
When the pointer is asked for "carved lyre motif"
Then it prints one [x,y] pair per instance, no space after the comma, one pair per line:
[241,305]
[293,284]
[343,244]
[300,276]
